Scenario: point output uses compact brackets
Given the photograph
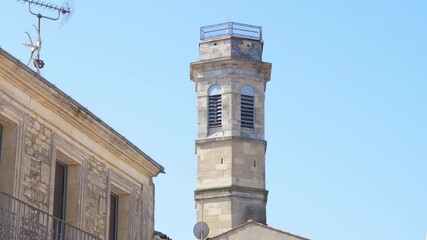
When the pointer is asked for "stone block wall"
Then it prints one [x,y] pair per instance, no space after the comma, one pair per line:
[227,47]
[216,213]
[37,164]
[248,169]
[96,197]
[214,164]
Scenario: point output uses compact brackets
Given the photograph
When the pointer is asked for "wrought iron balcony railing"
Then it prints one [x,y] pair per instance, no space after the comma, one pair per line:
[231,29]
[19,220]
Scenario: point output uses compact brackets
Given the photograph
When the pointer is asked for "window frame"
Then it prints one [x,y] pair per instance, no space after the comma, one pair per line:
[115,215]
[247,107]
[64,190]
[72,159]
[214,106]
[10,145]
[123,207]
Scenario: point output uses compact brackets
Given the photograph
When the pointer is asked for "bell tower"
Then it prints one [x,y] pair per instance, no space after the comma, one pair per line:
[230,83]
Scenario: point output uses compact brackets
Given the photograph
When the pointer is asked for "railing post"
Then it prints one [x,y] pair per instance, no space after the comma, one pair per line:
[231,29]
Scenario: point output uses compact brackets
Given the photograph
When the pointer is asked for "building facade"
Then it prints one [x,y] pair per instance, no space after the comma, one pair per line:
[64,173]
[230,80]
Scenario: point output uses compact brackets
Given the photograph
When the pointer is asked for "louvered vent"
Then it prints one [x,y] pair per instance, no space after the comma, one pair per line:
[247,111]
[215,111]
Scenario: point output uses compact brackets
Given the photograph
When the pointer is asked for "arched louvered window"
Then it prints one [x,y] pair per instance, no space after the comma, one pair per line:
[214,106]
[247,107]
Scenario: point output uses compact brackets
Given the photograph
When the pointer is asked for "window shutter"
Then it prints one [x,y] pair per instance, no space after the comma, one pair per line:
[215,111]
[247,109]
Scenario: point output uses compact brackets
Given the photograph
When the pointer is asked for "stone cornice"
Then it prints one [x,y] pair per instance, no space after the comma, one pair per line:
[262,68]
[78,116]
[243,192]
[230,138]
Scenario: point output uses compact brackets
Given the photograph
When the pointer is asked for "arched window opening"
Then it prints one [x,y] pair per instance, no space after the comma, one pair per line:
[214,106]
[247,107]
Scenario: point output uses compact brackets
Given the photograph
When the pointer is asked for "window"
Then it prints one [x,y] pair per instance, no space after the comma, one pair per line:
[114,216]
[247,107]
[60,190]
[8,160]
[66,184]
[118,222]
[214,106]
[59,197]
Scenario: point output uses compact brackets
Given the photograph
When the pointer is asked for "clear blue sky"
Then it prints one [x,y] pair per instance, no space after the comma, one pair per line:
[346,109]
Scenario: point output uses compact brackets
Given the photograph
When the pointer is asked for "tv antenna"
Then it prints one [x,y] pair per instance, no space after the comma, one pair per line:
[66,10]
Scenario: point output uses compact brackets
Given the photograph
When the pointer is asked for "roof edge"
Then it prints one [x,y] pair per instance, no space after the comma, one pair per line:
[250,221]
[44,81]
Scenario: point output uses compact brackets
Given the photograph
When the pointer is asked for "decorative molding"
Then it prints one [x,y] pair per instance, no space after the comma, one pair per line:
[230,66]
[78,116]
[231,191]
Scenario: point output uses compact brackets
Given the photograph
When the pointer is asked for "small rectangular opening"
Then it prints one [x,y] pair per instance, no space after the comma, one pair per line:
[119,212]
[59,197]
[72,184]
[214,111]
[247,109]
[60,190]
[8,150]
[114,216]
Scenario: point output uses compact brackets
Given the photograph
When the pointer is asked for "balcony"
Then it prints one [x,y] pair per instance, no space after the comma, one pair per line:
[19,220]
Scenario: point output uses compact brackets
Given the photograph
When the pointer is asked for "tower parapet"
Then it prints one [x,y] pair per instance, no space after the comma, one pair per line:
[231,39]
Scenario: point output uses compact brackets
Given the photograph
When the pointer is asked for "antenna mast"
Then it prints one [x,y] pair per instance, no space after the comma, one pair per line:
[36,46]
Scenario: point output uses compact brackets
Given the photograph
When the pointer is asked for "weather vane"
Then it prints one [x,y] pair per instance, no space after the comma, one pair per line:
[65,10]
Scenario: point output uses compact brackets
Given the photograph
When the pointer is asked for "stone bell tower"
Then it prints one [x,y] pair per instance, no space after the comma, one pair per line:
[230,83]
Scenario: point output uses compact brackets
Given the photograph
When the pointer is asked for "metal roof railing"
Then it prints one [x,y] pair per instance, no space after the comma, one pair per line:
[18,220]
[231,29]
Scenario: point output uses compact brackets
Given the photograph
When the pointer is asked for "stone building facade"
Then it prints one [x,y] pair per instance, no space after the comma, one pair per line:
[64,170]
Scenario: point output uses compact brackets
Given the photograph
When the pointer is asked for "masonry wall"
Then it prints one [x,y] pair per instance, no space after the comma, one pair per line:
[36,165]
[231,82]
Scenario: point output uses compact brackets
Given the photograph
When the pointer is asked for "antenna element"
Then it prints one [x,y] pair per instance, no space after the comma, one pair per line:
[35,47]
